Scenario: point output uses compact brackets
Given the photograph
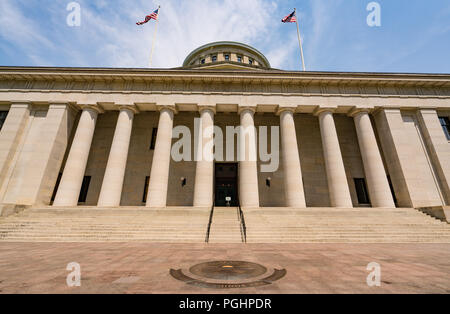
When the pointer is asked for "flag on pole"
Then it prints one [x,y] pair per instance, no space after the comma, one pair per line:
[153,16]
[291,18]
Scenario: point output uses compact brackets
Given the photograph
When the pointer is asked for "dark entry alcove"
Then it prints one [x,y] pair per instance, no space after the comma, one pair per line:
[226,183]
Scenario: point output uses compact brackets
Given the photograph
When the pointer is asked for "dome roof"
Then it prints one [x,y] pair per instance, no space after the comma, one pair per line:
[226,55]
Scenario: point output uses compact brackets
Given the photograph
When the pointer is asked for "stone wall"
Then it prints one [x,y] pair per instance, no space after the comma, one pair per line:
[140,159]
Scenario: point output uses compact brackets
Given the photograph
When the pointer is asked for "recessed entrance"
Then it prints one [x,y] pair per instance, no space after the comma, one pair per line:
[226,184]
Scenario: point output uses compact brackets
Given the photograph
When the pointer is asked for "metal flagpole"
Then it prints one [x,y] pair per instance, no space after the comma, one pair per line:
[299,40]
[154,36]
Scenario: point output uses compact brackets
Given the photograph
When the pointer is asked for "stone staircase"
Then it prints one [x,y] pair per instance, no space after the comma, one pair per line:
[336,225]
[189,225]
[134,224]
[225,227]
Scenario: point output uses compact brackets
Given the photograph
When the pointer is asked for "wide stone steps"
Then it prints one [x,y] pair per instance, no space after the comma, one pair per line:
[225,227]
[179,225]
[333,225]
[189,225]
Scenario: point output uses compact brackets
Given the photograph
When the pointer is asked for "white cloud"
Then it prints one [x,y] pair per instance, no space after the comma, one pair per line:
[17,28]
[109,37]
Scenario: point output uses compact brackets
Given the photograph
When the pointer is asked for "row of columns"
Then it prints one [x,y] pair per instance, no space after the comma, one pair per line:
[377,182]
[110,194]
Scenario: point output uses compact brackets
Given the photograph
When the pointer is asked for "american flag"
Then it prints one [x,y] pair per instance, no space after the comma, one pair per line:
[154,16]
[291,18]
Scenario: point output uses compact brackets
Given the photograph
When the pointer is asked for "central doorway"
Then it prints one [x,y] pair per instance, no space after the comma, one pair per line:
[226,184]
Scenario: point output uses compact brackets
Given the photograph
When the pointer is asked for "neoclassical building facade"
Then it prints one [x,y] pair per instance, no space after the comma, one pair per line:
[103,137]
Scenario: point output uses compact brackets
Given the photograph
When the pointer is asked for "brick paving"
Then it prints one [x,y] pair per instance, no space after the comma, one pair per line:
[144,268]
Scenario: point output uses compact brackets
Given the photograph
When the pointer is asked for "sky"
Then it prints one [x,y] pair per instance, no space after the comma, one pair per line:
[414,35]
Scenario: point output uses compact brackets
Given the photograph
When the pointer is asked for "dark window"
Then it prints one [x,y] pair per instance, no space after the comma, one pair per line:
[227,57]
[239,58]
[56,186]
[250,61]
[144,196]
[84,189]
[153,141]
[392,190]
[203,61]
[3,115]
[214,58]
[361,191]
[445,122]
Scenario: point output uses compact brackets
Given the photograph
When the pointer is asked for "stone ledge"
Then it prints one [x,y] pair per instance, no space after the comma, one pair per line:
[438,212]
[11,209]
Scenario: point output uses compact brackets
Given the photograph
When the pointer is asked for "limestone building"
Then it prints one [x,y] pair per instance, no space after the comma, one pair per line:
[103,137]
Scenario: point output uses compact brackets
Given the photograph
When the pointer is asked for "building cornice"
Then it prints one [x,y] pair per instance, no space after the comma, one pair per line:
[64,73]
[186,88]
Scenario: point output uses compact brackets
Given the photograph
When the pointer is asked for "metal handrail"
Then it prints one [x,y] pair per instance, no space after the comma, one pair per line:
[209,223]
[243,226]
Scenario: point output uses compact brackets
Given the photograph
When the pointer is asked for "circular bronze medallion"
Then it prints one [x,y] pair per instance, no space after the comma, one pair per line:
[228,270]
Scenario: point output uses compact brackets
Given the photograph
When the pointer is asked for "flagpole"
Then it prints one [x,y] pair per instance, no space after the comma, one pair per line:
[300,40]
[154,36]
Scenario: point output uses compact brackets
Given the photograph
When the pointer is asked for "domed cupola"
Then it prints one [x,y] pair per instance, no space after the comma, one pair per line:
[226,55]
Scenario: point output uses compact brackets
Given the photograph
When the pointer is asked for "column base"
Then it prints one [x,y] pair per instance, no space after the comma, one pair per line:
[11,209]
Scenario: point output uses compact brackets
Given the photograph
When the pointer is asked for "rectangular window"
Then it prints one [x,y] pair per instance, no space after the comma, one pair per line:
[250,61]
[144,196]
[392,190]
[361,191]
[445,123]
[203,61]
[239,58]
[84,189]
[214,58]
[153,141]
[3,115]
[56,187]
[227,57]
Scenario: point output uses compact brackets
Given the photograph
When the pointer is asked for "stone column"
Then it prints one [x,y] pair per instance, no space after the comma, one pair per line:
[159,177]
[111,191]
[438,146]
[204,175]
[72,179]
[11,135]
[293,183]
[377,182]
[334,164]
[248,168]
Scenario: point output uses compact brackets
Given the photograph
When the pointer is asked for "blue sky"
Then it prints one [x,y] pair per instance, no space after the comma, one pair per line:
[414,35]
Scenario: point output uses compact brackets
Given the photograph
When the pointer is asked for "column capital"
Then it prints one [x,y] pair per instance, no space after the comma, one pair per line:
[429,109]
[20,104]
[202,108]
[93,107]
[286,109]
[358,110]
[167,107]
[241,109]
[377,110]
[319,110]
[129,107]
[58,104]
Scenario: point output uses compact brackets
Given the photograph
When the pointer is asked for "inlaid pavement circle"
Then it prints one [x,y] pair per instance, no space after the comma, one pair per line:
[223,268]
[228,274]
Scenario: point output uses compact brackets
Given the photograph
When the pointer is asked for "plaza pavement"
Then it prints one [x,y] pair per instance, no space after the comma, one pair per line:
[144,267]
